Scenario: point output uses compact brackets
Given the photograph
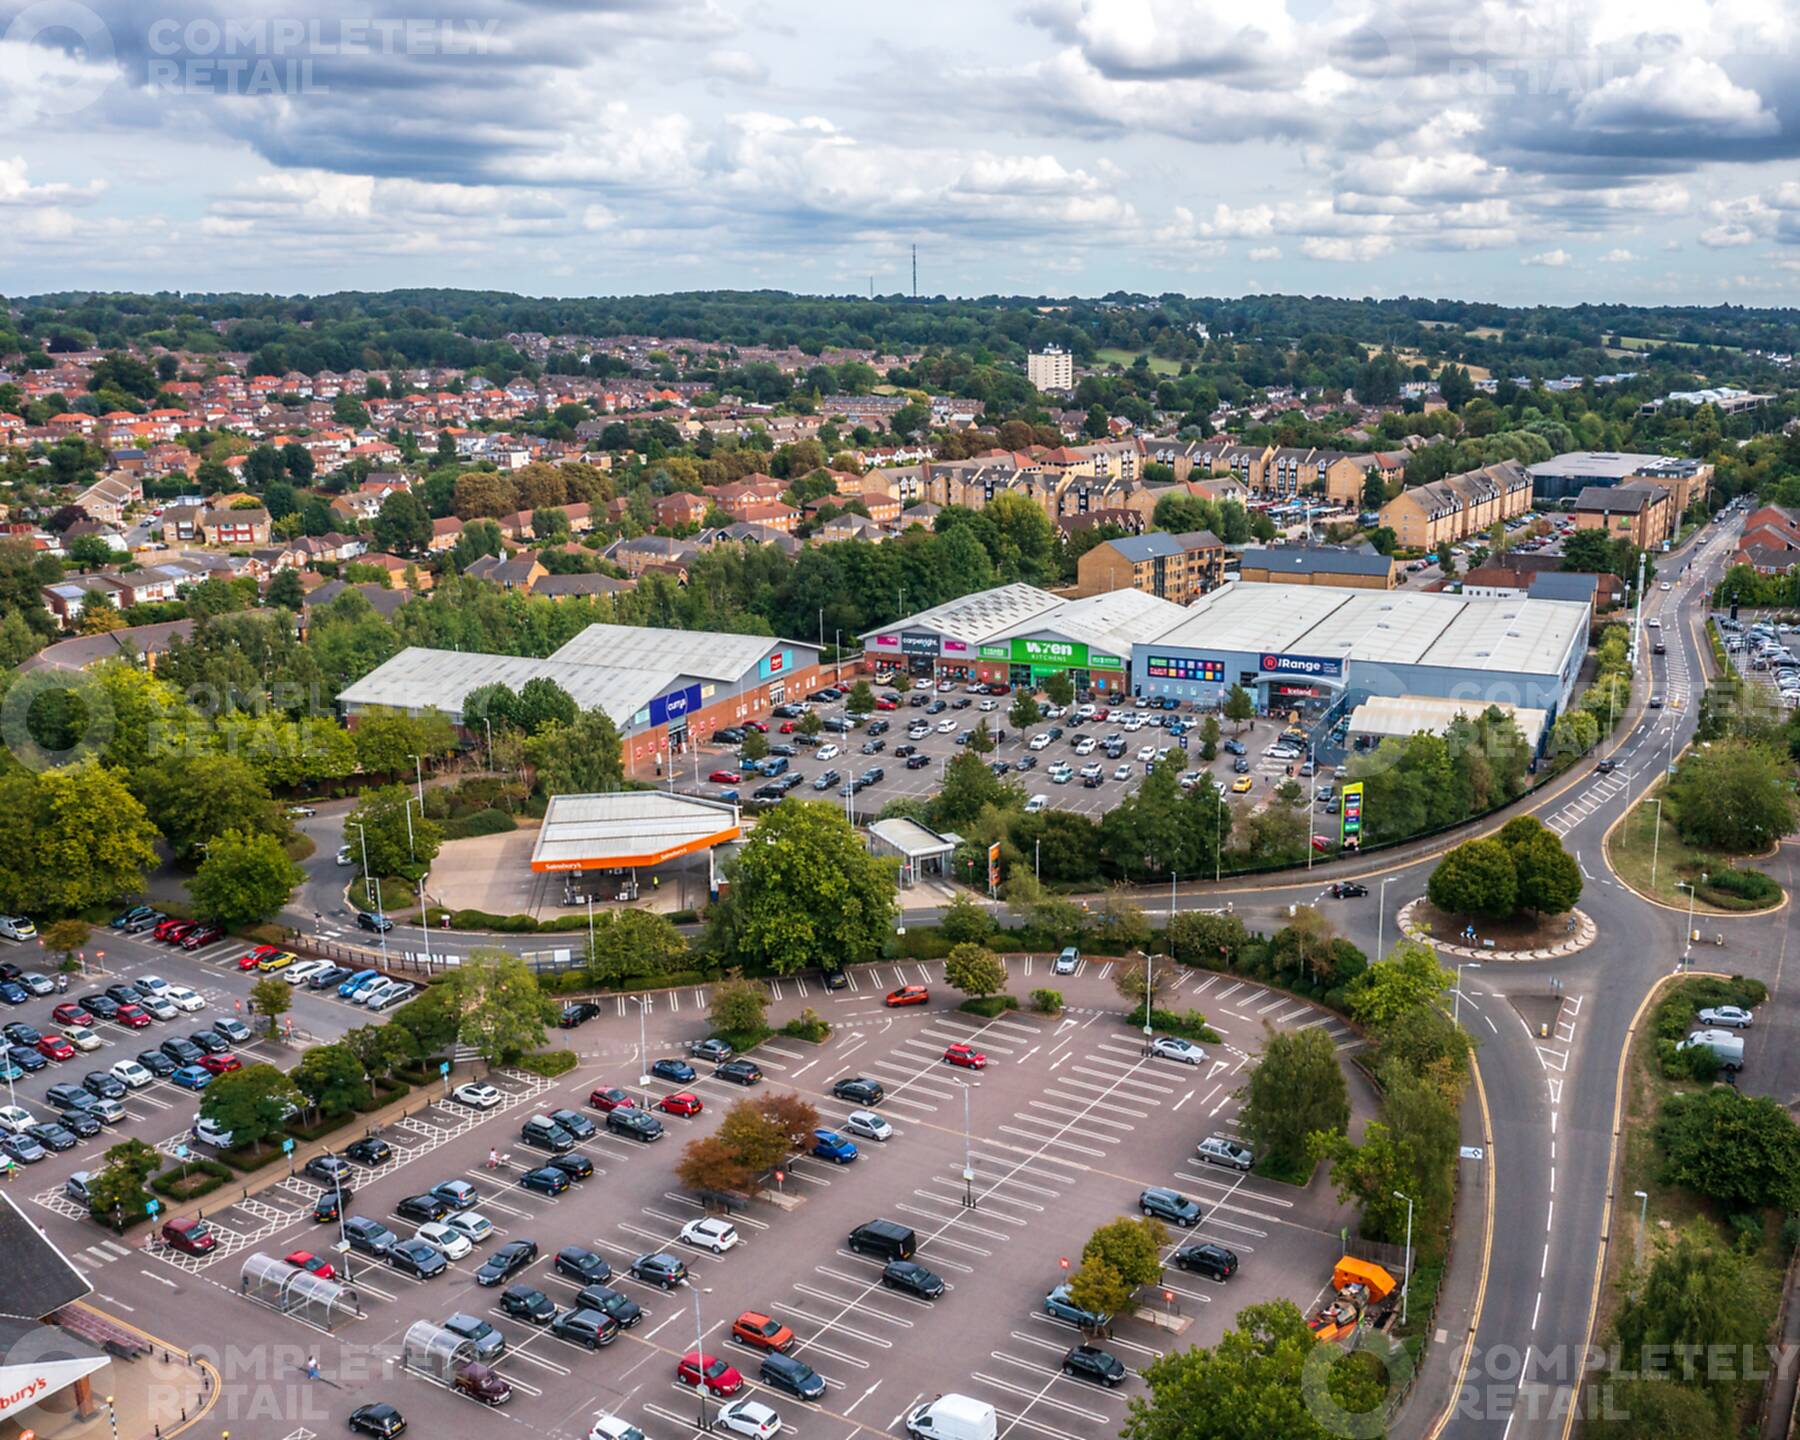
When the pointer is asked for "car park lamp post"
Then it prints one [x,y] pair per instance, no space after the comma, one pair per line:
[1149,1030]
[643,1051]
[1687,941]
[1406,1281]
[1655,839]
[700,1354]
[1312,829]
[1643,1199]
[337,1184]
[1456,998]
[968,1149]
[1381,915]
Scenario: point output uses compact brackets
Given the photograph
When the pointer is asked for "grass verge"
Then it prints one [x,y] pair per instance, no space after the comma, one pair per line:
[1645,846]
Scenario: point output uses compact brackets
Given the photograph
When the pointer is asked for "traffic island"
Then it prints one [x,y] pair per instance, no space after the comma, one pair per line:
[1519,938]
[1645,850]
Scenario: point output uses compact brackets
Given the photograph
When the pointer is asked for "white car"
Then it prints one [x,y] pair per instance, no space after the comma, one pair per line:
[945,726]
[17,927]
[472,1225]
[717,1236]
[150,986]
[1121,772]
[1085,745]
[453,1243]
[304,971]
[80,1036]
[868,1124]
[208,1132]
[827,752]
[1173,1047]
[1733,1016]
[751,1418]
[1146,753]
[988,705]
[183,998]
[1664,585]
[344,857]
[476,1095]
[14,1118]
[611,1427]
[131,1074]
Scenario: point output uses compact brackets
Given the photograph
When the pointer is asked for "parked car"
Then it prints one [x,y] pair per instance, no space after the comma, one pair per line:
[1213,1261]
[1170,1205]
[1222,1150]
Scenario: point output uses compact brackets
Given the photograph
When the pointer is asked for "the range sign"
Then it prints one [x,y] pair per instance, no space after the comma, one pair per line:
[1351,833]
[1307,666]
[916,642]
[676,705]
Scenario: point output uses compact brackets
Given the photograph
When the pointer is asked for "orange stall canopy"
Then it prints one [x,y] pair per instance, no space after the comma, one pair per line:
[1351,1271]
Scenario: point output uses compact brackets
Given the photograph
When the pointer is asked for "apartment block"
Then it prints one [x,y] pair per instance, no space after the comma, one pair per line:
[1180,568]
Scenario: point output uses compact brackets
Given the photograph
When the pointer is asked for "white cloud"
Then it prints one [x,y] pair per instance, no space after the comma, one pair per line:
[738,65]
[16,188]
[1264,253]
[1685,94]
[1549,259]
[1346,249]
[1617,257]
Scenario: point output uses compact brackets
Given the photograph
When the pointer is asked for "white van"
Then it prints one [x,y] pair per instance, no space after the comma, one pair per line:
[1727,1047]
[953,1417]
[1037,803]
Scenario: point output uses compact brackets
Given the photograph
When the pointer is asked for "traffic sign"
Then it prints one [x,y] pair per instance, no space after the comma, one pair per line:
[1063,1262]
[443,1067]
[151,1207]
[287,1146]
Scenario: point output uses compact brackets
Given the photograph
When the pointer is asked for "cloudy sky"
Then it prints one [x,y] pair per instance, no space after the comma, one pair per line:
[1514,150]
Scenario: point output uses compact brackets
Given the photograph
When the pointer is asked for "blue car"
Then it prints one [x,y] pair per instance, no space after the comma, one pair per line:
[13,993]
[8,1070]
[191,1077]
[829,1145]
[356,982]
[26,1058]
[677,1070]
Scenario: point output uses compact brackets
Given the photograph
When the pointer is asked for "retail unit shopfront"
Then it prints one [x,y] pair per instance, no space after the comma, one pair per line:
[1027,662]
[1275,680]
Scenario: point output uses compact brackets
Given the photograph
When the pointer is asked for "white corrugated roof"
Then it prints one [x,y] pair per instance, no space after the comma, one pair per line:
[1112,622]
[417,679]
[705,654]
[1409,714]
[978,617]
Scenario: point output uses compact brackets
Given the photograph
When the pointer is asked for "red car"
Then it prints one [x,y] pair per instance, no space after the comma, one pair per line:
[69,1013]
[253,959]
[966,1056]
[720,1378]
[173,929]
[756,725]
[192,1236]
[201,935]
[312,1264]
[130,1015]
[682,1102]
[885,704]
[220,1064]
[908,995]
[761,1332]
[787,727]
[613,1099]
[54,1047]
[723,777]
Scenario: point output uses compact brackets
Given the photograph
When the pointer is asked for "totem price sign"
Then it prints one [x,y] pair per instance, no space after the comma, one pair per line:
[1351,834]
[993,867]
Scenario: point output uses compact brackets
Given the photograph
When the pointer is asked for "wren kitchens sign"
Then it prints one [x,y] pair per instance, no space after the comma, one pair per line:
[1051,655]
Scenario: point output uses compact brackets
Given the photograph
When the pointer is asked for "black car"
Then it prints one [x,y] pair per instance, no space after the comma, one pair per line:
[936,707]
[836,980]
[1090,1362]
[101,1007]
[1348,890]
[107,1087]
[575,1123]
[1606,767]
[28,1059]
[577,1012]
[421,1208]
[522,1302]
[584,1267]
[712,1049]
[80,1123]
[739,1072]
[157,1063]
[861,1089]
[380,924]
[880,727]
[124,994]
[1213,1261]
[585,1327]
[326,1169]
[913,1278]
[677,1070]
[506,1262]
[827,780]
[634,1123]
[917,762]
[19,1033]
[68,1097]
[610,1302]
[660,1268]
[576,1167]
[545,1180]
[873,747]
[331,1203]
[418,1258]
[182,1052]
[369,1151]
[371,1237]
[873,775]
[796,1377]
[380,1420]
[767,792]
[208,1042]
[901,752]
[1026,762]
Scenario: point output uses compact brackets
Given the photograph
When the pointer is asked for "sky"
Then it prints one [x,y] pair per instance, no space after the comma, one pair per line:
[1519,151]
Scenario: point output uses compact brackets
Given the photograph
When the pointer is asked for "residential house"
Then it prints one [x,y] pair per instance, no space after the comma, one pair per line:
[1180,568]
[107,498]
[235,527]
[634,557]
[518,572]
[1355,569]
[444,534]
[395,568]
[1458,506]
[579,587]
[679,509]
[1635,510]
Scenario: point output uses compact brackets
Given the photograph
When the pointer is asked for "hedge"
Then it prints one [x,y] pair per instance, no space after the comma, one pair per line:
[988,1006]
[548,1063]
[512,924]
[1751,886]
[202,1178]
[482,822]
[1188,1024]
[813,1029]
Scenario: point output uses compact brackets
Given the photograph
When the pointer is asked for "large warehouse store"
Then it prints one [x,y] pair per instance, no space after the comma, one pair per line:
[1292,646]
[663,688]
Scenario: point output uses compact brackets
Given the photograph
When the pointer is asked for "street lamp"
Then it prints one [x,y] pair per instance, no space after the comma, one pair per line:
[699,1353]
[1406,1283]
[1456,999]
[1643,1199]
[1312,753]
[1693,889]
[1655,839]
[1148,1029]
[968,1148]
[643,1051]
[1381,915]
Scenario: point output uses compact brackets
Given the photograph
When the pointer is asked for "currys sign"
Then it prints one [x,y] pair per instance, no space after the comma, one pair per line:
[1310,666]
[676,705]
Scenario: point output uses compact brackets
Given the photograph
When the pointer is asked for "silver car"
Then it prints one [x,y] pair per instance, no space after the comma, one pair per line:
[1173,1047]
[1067,961]
[1218,1150]
[1734,1017]
[868,1124]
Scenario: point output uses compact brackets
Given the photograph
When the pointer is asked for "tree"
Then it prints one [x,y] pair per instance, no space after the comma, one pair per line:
[969,788]
[383,1049]
[1023,712]
[792,1115]
[543,703]
[974,970]
[388,740]
[1549,879]
[965,922]
[811,723]
[1059,688]
[634,943]
[78,838]
[118,1192]
[387,829]
[1139,974]
[737,1008]
[1734,795]
[1741,1150]
[1476,878]
[1209,737]
[1247,1387]
[271,997]
[431,1018]
[861,700]
[1132,1247]
[582,758]
[332,1079]
[195,797]
[1239,707]
[755,1141]
[251,1103]
[1696,1293]
[403,525]
[1406,982]
[1099,1289]
[65,937]
[1588,551]
[1628,1409]
[286,591]
[500,1008]
[755,746]
[1296,1090]
[805,894]
[709,1166]
[1196,938]
[244,879]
